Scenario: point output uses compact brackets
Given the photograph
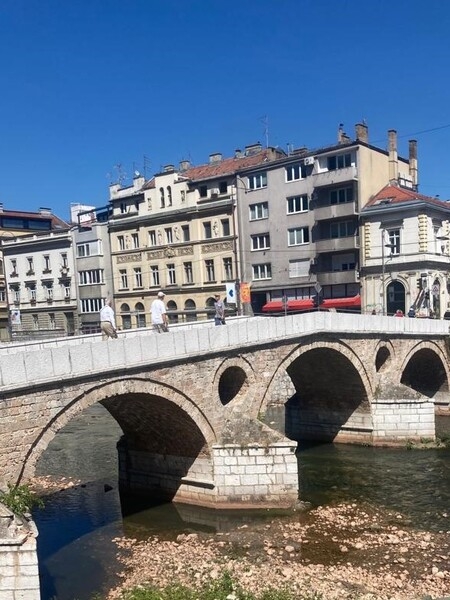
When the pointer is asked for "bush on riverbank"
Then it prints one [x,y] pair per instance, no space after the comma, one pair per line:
[223,589]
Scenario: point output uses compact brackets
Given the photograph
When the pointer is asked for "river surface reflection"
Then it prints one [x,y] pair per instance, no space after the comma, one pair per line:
[76,526]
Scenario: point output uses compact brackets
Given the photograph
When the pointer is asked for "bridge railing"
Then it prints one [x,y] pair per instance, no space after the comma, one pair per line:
[25,365]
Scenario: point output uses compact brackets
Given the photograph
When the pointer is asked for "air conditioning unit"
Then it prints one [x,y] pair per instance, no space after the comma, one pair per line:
[308,160]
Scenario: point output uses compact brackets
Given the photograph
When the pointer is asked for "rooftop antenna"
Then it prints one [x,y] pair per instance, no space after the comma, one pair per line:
[265,121]
[120,174]
[146,165]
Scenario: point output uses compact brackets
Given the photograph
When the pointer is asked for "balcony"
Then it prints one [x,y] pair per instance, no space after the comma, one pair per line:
[335,177]
[338,277]
[324,213]
[337,244]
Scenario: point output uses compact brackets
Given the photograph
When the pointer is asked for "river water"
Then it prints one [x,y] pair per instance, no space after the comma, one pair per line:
[76,526]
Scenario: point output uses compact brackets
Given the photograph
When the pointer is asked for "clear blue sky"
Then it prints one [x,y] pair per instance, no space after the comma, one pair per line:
[90,84]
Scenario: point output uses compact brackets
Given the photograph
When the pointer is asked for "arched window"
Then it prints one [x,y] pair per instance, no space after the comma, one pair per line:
[169,196]
[171,309]
[140,315]
[163,201]
[125,316]
[395,293]
[189,307]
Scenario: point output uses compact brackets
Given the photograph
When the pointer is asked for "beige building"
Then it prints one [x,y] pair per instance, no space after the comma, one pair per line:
[177,233]
[406,253]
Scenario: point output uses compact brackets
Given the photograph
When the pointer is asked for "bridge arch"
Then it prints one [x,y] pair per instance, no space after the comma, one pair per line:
[130,401]
[425,369]
[301,386]
[233,380]
[384,353]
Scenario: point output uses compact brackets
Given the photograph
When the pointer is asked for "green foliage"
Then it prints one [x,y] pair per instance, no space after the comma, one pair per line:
[445,439]
[222,589]
[20,499]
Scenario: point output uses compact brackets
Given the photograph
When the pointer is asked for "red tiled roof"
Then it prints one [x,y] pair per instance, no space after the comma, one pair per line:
[228,166]
[394,194]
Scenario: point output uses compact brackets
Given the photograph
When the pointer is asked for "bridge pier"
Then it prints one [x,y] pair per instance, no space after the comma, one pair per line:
[399,420]
[261,474]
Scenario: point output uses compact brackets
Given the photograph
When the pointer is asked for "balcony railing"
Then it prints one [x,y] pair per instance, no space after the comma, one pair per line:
[337,244]
[335,177]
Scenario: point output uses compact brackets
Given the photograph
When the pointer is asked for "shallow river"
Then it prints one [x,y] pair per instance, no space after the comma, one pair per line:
[76,526]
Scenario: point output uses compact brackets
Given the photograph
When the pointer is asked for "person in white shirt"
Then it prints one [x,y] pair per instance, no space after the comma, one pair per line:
[107,321]
[159,315]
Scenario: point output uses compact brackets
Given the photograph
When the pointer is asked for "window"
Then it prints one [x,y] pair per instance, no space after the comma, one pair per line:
[135,240]
[259,211]
[52,320]
[85,250]
[340,161]
[67,291]
[207,230]
[90,277]
[47,265]
[120,242]
[298,236]
[203,191]
[169,196]
[13,266]
[223,187]
[225,227]
[30,265]
[49,292]
[185,231]
[123,279]
[163,201]
[257,181]
[154,273]
[295,172]
[299,268]
[64,262]
[263,271]
[228,269]
[123,208]
[2,295]
[260,242]
[171,275]
[17,296]
[210,273]
[169,235]
[342,229]
[297,204]
[188,274]
[32,293]
[137,277]
[394,241]
[91,305]
[152,238]
[35,321]
[341,196]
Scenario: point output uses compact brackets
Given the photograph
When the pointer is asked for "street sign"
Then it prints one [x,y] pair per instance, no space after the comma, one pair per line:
[435,289]
[317,287]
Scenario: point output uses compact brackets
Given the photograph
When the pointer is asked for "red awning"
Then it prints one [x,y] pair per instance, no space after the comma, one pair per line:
[308,304]
[353,302]
[278,305]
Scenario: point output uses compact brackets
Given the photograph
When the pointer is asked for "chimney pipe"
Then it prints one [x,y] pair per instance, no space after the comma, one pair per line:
[362,132]
[413,170]
[393,156]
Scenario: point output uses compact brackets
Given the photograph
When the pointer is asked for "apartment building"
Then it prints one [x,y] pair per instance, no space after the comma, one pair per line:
[405,253]
[92,264]
[299,220]
[41,287]
[178,233]
[13,225]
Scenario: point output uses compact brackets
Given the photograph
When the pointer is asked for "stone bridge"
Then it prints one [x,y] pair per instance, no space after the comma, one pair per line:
[212,415]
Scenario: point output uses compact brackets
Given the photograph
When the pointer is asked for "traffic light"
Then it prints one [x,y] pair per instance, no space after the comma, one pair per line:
[419,283]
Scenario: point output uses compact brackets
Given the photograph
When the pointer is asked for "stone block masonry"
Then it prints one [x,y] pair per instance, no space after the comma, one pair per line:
[19,574]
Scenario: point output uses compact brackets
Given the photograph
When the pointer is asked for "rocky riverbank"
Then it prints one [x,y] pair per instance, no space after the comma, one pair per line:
[343,552]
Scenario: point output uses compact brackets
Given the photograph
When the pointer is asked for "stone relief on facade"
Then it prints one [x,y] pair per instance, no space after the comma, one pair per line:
[126,258]
[170,252]
[217,247]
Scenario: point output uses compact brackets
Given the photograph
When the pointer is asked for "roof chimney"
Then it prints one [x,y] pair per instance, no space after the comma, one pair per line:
[342,136]
[184,165]
[413,170]
[168,168]
[215,158]
[45,211]
[238,153]
[393,156]
[362,132]
[253,149]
